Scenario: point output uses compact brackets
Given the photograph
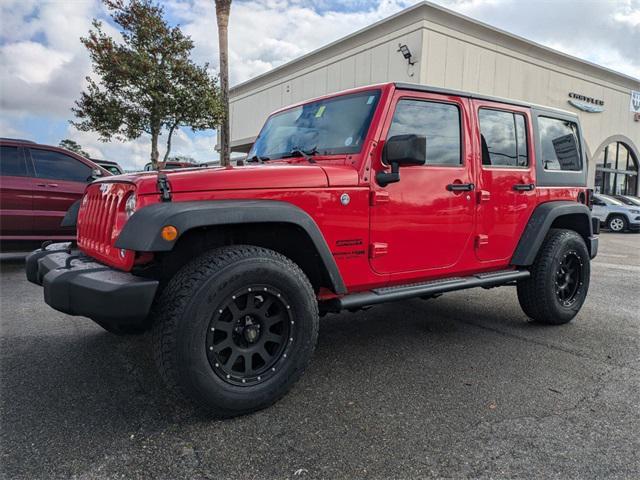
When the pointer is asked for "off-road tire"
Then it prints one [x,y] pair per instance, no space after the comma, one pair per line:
[538,295]
[617,223]
[186,308]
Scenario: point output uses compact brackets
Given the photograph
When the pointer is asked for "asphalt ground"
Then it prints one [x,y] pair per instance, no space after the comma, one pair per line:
[462,386]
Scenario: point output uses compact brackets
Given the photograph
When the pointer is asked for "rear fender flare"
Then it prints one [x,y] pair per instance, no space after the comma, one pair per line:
[542,220]
[142,231]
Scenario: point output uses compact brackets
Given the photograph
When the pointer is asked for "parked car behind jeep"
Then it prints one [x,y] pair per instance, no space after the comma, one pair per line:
[38,184]
[616,215]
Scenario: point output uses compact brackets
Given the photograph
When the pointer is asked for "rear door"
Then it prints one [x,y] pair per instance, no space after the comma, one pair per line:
[420,226]
[506,179]
[60,181]
[16,197]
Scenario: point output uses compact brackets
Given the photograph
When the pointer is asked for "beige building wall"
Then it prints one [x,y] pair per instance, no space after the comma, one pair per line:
[450,51]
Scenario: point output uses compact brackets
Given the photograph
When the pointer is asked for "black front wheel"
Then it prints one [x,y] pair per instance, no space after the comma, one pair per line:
[237,328]
[559,281]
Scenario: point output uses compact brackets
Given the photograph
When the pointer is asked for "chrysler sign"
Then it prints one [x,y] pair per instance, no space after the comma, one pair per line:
[586,104]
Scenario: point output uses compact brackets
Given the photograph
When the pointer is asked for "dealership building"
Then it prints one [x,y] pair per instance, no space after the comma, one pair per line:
[430,45]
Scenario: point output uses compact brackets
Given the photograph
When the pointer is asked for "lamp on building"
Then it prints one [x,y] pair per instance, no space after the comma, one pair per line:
[406,53]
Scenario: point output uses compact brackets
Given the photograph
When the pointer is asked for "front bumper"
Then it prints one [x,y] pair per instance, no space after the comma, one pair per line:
[78,285]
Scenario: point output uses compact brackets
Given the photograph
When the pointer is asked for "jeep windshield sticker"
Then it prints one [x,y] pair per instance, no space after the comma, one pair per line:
[320,111]
[371,99]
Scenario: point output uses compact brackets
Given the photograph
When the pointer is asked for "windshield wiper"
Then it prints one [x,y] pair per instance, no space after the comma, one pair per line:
[298,152]
[258,158]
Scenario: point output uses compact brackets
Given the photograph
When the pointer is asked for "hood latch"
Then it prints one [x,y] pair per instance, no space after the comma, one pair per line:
[164,188]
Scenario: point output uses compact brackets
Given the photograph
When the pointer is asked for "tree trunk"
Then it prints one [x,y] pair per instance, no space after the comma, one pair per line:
[170,135]
[223,8]
[154,148]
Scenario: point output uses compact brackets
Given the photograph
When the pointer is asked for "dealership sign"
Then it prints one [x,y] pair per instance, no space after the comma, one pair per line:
[586,104]
[634,105]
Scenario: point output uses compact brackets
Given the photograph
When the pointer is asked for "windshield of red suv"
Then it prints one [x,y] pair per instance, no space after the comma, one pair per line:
[336,125]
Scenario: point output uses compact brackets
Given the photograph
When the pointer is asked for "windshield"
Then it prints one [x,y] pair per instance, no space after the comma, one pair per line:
[610,200]
[335,125]
[628,201]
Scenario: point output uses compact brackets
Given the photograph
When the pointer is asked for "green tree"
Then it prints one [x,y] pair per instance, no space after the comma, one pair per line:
[73,146]
[223,10]
[147,83]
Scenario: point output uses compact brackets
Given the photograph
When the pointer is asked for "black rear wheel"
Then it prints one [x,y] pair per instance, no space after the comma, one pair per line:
[236,329]
[559,281]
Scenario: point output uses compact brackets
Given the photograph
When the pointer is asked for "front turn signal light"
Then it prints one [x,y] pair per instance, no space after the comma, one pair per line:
[169,233]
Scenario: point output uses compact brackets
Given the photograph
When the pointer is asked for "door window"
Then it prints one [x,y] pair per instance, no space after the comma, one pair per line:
[12,162]
[559,144]
[438,122]
[58,166]
[504,138]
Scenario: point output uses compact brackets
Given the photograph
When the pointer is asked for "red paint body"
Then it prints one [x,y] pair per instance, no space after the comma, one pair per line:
[407,231]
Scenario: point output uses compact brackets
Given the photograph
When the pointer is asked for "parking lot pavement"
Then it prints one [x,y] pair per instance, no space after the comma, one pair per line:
[460,386]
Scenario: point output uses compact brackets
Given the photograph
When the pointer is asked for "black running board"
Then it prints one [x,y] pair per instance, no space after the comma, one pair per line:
[433,287]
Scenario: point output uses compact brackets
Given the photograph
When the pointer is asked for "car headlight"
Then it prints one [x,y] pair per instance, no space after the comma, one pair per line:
[130,205]
[634,211]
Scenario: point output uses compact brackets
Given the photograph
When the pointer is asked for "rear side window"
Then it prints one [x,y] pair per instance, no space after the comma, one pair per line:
[559,144]
[58,166]
[12,162]
[504,138]
[438,122]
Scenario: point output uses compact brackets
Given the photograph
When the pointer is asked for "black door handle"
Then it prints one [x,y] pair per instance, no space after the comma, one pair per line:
[524,187]
[460,187]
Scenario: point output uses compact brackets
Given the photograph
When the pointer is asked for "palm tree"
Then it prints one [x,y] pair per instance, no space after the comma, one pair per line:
[223,8]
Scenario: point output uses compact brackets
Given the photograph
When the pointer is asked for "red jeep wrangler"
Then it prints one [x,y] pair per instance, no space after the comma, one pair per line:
[375,194]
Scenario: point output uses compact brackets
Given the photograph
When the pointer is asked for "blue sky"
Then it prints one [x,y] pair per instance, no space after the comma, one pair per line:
[44,64]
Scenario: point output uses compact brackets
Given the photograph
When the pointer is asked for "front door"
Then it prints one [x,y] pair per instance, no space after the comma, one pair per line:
[506,179]
[60,181]
[423,223]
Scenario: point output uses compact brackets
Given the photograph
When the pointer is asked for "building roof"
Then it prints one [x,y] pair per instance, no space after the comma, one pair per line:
[450,19]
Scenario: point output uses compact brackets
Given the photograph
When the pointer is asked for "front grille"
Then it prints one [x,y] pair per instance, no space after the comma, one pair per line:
[100,221]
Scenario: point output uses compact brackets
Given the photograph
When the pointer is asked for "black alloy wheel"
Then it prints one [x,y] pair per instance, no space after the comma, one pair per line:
[569,278]
[249,335]
[235,328]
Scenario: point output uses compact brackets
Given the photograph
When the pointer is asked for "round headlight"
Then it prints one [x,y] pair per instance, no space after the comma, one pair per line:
[130,205]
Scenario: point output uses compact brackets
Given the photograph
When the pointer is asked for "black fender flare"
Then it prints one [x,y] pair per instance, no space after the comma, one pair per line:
[142,231]
[70,218]
[541,221]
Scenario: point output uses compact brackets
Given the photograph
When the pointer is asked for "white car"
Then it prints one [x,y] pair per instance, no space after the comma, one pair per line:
[615,215]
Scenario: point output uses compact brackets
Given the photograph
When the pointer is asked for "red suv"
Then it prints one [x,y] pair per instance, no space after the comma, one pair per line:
[38,184]
[372,195]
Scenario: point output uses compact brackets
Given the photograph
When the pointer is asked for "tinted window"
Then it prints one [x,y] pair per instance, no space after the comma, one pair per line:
[504,139]
[58,166]
[439,122]
[12,162]
[559,144]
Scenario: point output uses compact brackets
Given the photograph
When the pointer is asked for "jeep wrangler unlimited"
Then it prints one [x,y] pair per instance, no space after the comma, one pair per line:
[376,194]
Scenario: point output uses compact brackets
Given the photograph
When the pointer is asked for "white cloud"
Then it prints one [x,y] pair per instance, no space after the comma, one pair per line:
[44,64]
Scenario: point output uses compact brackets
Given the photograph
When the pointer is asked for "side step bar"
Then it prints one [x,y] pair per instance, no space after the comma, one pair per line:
[401,292]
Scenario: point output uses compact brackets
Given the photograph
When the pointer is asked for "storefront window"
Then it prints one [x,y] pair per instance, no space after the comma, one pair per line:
[617,171]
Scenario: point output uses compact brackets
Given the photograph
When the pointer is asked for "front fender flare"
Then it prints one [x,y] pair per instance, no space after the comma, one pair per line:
[142,231]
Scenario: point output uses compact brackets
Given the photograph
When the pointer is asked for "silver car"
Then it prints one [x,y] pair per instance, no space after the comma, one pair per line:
[615,215]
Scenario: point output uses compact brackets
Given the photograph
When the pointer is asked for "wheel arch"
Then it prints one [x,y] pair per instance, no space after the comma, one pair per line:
[280,226]
[556,214]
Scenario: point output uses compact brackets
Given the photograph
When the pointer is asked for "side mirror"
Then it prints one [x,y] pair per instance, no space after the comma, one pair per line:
[401,150]
[95,173]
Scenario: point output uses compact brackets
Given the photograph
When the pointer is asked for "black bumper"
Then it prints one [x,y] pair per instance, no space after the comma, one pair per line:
[77,285]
